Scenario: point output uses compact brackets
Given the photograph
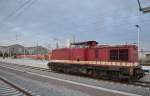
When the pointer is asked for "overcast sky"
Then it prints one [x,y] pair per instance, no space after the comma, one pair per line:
[42,21]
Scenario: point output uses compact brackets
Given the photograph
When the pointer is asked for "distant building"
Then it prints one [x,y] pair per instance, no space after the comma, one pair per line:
[11,50]
[147,56]
[145,60]
[144,54]
[17,49]
[37,50]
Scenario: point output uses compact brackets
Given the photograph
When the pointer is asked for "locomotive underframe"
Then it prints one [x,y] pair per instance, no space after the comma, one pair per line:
[102,72]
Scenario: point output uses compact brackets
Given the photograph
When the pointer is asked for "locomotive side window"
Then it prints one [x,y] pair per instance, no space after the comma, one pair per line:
[114,54]
[123,54]
[119,54]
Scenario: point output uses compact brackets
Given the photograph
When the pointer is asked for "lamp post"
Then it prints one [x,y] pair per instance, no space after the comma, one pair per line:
[145,9]
[138,38]
[140,8]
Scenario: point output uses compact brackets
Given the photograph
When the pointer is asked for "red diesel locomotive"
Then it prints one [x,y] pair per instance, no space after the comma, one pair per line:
[101,61]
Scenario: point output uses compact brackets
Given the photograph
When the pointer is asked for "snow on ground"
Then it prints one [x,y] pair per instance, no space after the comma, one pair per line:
[26,61]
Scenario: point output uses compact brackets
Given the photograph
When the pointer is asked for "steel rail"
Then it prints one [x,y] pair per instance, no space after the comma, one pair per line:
[15,86]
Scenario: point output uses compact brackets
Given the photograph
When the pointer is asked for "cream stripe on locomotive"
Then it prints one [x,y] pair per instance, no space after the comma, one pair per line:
[106,63]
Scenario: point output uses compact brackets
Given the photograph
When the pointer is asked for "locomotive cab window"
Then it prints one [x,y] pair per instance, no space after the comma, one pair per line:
[119,54]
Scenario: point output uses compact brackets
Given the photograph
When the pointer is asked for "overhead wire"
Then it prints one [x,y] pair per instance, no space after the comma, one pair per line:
[15,11]
[26,7]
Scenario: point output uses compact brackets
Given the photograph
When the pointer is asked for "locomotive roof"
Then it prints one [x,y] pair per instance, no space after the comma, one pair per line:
[116,46]
[85,43]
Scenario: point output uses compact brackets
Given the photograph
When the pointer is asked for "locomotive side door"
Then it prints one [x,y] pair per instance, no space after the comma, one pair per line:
[96,54]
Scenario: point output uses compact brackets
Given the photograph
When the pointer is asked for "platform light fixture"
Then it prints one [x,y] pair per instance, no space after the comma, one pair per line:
[138,34]
[144,10]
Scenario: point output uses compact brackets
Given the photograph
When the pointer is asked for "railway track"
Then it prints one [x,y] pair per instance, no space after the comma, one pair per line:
[8,88]
[133,83]
[141,83]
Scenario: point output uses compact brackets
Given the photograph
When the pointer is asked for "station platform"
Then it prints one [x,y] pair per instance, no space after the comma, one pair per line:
[26,61]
